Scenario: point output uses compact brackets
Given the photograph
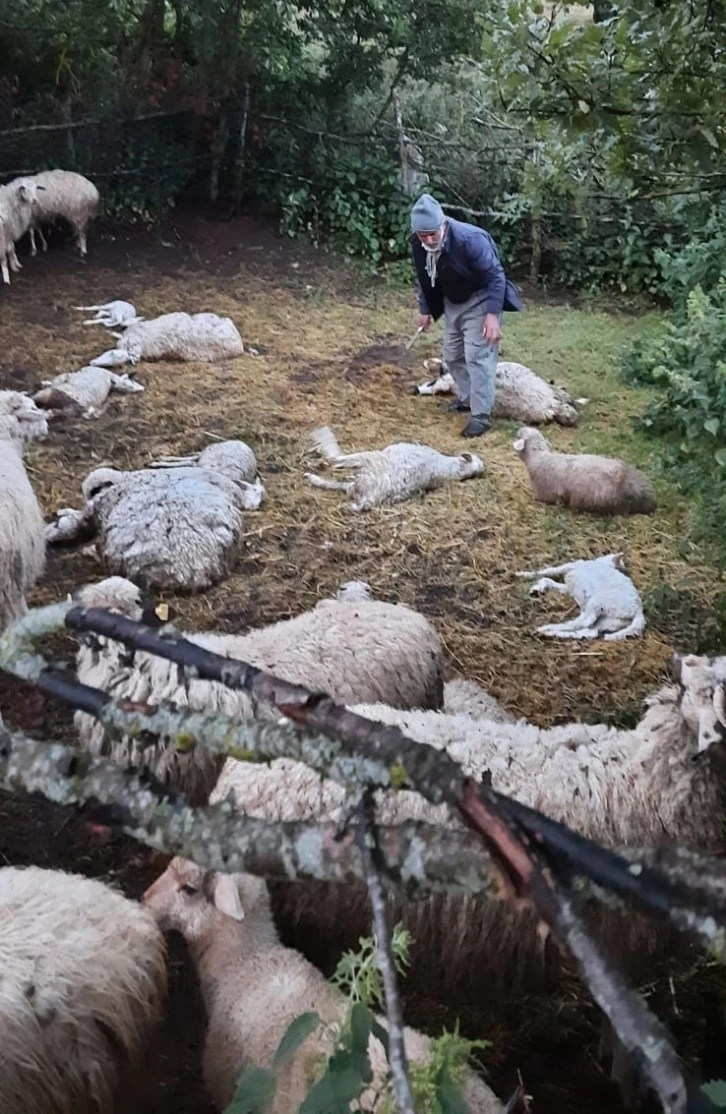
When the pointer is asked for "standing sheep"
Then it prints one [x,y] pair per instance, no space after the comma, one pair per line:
[520,394]
[253,989]
[175,336]
[22,538]
[175,525]
[582,482]
[18,205]
[352,650]
[393,474]
[610,604]
[83,391]
[83,983]
[63,193]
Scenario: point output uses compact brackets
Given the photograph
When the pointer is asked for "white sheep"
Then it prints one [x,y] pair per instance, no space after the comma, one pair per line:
[352,650]
[617,787]
[176,527]
[393,474]
[464,697]
[83,983]
[253,989]
[610,604]
[18,205]
[83,391]
[63,193]
[22,538]
[175,336]
[112,315]
[520,394]
[583,482]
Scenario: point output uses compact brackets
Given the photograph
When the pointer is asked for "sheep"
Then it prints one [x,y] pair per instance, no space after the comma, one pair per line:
[18,205]
[610,604]
[363,650]
[63,193]
[175,336]
[83,984]
[112,315]
[467,698]
[520,394]
[176,527]
[393,474]
[253,989]
[22,540]
[83,391]
[598,484]
[617,787]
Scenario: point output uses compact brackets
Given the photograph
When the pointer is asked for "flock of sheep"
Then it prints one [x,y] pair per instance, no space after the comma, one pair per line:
[81,998]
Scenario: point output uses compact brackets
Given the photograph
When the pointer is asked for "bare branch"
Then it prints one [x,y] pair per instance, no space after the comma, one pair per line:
[371,858]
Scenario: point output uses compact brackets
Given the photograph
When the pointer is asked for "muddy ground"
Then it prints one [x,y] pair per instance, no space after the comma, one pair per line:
[329,351]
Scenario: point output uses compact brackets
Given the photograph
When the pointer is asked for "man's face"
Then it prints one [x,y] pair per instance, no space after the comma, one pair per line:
[432,240]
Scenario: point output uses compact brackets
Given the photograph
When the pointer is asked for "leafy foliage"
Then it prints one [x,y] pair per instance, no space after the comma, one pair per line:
[715,1089]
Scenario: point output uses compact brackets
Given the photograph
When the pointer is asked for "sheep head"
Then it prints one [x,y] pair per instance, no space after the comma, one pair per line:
[21,420]
[122,596]
[703,701]
[98,480]
[469,465]
[532,440]
[195,901]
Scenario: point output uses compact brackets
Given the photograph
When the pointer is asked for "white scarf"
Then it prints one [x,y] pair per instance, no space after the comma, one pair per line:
[433,253]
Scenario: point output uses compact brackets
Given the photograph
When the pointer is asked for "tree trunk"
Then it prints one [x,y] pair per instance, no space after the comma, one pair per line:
[239,166]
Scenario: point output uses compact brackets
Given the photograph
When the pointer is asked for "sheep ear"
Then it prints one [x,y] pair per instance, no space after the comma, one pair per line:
[23,193]
[467,457]
[710,730]
[226,897]
[518,445]
[683,666]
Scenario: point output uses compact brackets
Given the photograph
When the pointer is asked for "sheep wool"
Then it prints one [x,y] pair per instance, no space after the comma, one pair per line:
[520,395]
[84,980]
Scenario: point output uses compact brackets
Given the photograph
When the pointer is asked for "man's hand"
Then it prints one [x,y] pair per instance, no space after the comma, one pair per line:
[492,330]
[424,322]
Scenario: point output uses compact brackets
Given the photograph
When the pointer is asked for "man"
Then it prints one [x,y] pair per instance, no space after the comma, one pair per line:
[460,275]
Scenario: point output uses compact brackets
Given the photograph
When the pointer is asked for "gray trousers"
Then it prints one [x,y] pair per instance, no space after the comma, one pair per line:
[471,361]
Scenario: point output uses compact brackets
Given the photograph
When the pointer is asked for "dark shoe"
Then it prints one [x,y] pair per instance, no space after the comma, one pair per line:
[478,424]
[458,406]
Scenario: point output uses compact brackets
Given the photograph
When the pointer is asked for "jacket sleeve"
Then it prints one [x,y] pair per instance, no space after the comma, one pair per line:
[423,306]
[484,264]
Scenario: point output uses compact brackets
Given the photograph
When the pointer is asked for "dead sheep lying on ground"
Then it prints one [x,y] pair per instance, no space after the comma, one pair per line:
[610,604]
[177,525]
[22,537]
[351,649]
[83,392]
[390,475]
[520,394]
[83,985]
[583,482]
[253,989]
[112,315]
[175,336]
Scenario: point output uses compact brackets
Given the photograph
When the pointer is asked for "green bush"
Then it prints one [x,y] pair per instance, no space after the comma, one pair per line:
[144,178]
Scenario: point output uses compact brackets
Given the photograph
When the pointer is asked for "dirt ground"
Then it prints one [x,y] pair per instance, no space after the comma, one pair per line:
[329,352]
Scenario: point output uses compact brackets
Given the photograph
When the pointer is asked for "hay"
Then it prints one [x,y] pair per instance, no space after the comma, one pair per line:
[452,554]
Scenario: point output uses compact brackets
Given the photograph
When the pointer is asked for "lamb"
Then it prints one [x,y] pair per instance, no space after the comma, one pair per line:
[610,604]
[362,650]
[18,205]
[64,194]
[84,980]
[175,336]
[253,989]
[393,474]
[111,314]
[598,484]
[175,525]
[615,786]
[84,391]
[22,540]
[520,394]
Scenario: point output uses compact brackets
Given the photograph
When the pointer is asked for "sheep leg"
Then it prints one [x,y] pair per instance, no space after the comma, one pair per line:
[545,583]
[635,627]
[4,269]
[33,249]
[329,485]
[41,237]
[15,264]
[555,570]
[583,625]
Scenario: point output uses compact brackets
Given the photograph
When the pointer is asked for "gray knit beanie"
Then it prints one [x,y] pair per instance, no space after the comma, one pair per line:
[426,215]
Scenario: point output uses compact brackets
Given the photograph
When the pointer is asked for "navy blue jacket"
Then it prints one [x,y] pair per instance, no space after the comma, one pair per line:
[471,253]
